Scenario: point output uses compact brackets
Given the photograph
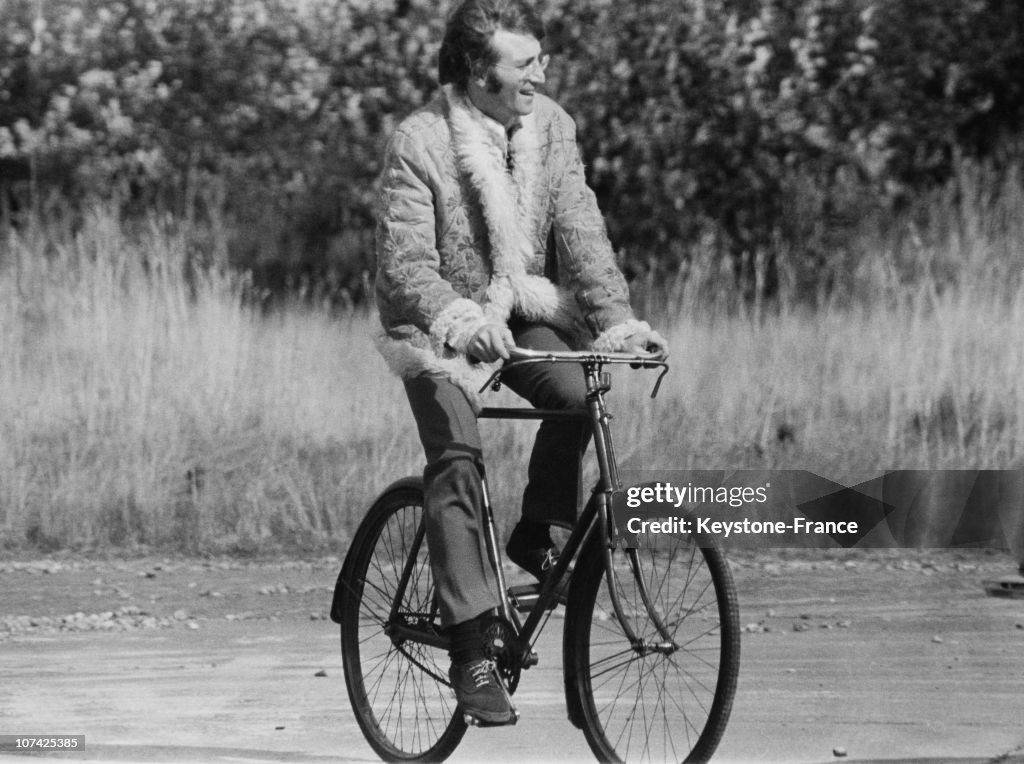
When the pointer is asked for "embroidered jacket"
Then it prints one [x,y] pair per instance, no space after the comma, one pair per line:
[474,227]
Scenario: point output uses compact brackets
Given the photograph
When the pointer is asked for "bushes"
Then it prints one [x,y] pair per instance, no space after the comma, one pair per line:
[764,129]
[776,129]
[260,118]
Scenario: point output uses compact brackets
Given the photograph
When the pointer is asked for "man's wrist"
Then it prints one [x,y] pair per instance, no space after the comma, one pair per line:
[457,324]
[616,338]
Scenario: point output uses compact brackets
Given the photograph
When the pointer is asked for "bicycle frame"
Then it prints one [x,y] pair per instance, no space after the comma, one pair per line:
[641,647]
[596,516]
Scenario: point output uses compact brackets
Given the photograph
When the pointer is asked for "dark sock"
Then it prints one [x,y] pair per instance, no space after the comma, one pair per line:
[467,641]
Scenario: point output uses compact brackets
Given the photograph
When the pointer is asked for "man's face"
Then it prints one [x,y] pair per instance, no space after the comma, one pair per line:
[507,91]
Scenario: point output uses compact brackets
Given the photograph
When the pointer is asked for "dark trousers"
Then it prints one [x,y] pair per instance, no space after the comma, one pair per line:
[466,583]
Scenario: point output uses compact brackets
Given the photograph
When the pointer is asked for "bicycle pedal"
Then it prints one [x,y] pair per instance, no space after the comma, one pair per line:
[525,596]
[473,721]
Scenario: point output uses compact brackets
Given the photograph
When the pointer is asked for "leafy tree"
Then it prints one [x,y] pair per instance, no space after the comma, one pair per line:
[761,129]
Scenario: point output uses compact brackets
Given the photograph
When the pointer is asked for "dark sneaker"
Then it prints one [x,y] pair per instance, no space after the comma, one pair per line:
[538,561]
[481,694]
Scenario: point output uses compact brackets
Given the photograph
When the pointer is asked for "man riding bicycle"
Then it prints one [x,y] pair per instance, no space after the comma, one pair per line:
[489,238]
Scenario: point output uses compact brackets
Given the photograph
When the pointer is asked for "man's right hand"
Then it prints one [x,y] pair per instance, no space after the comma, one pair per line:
[490,342]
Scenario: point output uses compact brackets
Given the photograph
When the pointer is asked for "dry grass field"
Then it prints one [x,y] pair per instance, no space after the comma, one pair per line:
[149,405]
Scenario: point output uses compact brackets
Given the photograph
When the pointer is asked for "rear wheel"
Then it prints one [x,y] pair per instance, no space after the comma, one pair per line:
[668,696]
[398,686]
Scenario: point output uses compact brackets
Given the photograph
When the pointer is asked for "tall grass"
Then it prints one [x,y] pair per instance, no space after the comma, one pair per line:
[912,359]
[147,404]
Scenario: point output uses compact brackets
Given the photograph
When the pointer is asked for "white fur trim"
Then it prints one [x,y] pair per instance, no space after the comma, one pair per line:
[407,361]
[507,205]
[499,299]
[455,326]
[613,339]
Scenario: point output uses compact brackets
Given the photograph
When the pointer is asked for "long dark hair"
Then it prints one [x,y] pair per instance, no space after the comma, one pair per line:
[467,38]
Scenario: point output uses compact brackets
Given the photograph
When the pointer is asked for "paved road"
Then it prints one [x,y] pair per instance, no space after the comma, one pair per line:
[884,657]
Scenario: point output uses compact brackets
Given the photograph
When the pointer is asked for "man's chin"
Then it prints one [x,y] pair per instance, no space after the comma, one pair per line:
[525,104]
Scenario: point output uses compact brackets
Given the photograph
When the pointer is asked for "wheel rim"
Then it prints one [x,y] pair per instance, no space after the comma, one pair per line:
[409,708]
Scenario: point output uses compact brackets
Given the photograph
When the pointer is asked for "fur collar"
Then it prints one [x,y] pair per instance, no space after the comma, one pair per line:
[509,209]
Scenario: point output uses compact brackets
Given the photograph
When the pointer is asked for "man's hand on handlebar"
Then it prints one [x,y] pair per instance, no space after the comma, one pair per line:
[493,342]
[589,359]
[647,342]
[490,342]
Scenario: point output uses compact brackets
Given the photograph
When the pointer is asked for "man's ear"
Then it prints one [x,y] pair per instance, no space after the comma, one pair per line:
[477,71]
[479,75]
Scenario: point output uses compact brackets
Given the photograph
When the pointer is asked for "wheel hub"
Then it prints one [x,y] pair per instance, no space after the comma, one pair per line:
[645,648]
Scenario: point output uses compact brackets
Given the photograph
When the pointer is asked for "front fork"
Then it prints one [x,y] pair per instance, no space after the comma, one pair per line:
[597,385]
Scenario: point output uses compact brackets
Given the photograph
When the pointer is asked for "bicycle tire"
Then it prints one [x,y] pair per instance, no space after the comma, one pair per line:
[659,706]
[399,690]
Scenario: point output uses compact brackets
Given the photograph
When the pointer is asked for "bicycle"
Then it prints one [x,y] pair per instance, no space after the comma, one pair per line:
[651,635]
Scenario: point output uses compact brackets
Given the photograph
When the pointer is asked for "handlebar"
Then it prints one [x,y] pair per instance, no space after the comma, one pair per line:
[517,354]
[586,358]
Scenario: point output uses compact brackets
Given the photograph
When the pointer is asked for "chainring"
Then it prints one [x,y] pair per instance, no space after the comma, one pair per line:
[500,644]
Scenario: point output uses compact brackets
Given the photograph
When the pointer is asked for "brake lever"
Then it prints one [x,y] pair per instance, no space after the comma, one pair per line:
[657,384]
[494,381]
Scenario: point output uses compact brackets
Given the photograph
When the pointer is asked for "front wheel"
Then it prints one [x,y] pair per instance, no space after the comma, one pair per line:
[666,697]
[398,685]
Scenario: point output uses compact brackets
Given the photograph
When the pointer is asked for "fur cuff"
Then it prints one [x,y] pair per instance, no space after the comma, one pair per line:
[407,361]
[614,338]
[455,326]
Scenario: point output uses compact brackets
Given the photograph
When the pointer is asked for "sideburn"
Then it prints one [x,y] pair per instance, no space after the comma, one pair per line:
[492,84]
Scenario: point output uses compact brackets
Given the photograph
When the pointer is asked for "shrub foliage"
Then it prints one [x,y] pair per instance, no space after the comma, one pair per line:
[757,128]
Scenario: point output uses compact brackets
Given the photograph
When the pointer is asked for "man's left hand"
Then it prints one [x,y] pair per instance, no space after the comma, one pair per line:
[647,342]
